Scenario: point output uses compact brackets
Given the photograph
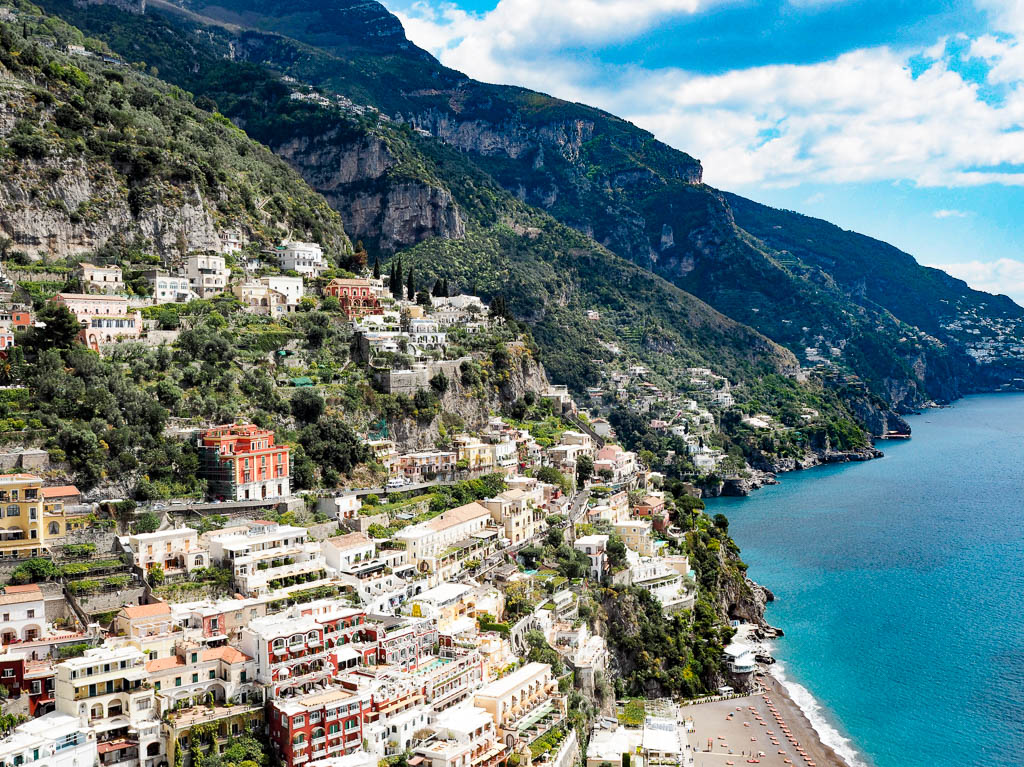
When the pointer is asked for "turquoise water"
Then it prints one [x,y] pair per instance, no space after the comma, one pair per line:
[900,586]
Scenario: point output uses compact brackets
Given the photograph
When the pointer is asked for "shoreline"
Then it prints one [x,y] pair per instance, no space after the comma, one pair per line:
[767,728]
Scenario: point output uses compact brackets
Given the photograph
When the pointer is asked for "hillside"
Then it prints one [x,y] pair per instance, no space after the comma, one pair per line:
[599,174]
[99,155]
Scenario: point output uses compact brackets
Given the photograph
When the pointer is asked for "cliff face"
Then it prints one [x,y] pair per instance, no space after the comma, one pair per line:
[64,208]
[385,211]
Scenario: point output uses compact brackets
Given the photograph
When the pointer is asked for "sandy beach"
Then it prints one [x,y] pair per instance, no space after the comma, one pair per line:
[741,729]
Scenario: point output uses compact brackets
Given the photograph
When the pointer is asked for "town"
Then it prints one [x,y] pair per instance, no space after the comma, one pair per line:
[437,609]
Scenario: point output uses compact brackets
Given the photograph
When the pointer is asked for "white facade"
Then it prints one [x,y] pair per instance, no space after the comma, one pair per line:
[263,552]
[175,549]
[290,287]
[207,275]
[306,258]
[344,551]
[52,740]
[23,615]
[594,546]
[169,288]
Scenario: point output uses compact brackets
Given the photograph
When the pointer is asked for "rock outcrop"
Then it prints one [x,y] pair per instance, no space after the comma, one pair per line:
[381,207]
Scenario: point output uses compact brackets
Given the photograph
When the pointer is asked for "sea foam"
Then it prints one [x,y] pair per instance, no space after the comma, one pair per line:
[815,714]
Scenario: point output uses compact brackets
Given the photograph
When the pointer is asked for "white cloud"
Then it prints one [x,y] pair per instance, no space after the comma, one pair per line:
[950,213]
[1005,276]
[858,118]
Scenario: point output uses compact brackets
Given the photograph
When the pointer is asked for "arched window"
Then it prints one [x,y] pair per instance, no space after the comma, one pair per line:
[299,739]
[278,645]
[53,529]
[318,732]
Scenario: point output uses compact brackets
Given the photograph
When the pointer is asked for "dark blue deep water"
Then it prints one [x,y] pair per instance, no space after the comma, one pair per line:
[900,586]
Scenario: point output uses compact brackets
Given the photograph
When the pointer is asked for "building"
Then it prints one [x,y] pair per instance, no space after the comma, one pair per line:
[636,534]
[529,693]
[290,287]
[740,658]
[426,333]
[207,274]
[426,465]
[664,743]
[241,462]
[653,507]
[106,280]
[105,319]
[258,298]
[344,506]
[306,258]
[673,588]
[464,736]
[518,512]
[344,551]
[107,688]
[356,296]
[614,463]
[195,675]
[594,546]
[53,740]
[317,726]
[22,614]
[168,288]
[266,556]
[63,511]
[176,550]
[290,652]
[22,533]
[142,621]
[430,545]
[474,455]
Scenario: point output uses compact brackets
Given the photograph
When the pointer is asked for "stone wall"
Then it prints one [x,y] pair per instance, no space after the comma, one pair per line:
[408,382]
[30,460]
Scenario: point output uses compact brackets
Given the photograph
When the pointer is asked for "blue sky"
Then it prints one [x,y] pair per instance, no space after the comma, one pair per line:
[901,119]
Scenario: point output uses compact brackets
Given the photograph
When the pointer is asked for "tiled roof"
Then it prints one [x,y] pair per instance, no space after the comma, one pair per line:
[226,654]
[147,611]
[162,664]
[60,491]
[348,541]
[458,516]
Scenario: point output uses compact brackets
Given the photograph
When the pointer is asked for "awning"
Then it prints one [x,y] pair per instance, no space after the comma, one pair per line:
[347,654]
[115,745]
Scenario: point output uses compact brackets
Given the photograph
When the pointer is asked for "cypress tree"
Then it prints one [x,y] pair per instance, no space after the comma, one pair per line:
[437,288]
[411,287]
[376,268]
[444,288]
[397,288]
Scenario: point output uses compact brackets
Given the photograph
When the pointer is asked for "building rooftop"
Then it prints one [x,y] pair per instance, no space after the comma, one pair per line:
[508,683]
[147,611]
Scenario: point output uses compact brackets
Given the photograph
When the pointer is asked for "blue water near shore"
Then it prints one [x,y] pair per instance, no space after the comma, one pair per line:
[900,586]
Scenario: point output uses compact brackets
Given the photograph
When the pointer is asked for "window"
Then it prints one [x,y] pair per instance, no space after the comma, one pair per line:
[298,721]
[13,510]
[31,613]
[177,681]
[195,678]
[213,674]
[8,672]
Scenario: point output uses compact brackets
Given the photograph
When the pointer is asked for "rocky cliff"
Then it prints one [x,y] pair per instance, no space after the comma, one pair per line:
[386,210]
[96,153]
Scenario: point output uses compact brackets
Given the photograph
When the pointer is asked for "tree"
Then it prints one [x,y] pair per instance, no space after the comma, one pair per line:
[147,523]
[60,331]
[331,443]
[722,522]
[439,382]
[376,268]
[307,406]
[410,286]
[396,286]
[616,551]
[444,288]
[156,575]
[436,292]
[606,474]
[552,476]
[423,298]
[584,469]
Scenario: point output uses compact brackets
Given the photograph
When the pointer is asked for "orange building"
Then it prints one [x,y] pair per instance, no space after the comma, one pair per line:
[355,296]
[241,462]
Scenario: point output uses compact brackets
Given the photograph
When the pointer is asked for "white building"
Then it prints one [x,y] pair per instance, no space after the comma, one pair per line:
[263,555]
[23,613]
[175,550]
[169,288]
[290,287]
[52,740]
[344,551]
[426,542]
[207,274]
[107,280]
[306,258]
[594,546]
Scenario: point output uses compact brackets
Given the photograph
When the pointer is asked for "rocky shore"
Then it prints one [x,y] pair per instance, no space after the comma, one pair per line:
[764,469]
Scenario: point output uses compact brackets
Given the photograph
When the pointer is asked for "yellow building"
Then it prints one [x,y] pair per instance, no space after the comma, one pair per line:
[21,516]
[479,456]
[63,511]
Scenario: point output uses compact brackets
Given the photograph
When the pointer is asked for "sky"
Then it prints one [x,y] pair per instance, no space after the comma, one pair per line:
[901,119]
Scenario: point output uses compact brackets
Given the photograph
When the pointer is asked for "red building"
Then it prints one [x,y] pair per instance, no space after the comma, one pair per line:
[654,509]
[241,462]
[12,672]
[40,682]
[355,296]
[317,726]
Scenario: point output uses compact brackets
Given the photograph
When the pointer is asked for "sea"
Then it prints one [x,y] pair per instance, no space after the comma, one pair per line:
[899,584]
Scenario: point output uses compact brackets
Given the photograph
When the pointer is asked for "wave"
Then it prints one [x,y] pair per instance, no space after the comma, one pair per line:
[815,714]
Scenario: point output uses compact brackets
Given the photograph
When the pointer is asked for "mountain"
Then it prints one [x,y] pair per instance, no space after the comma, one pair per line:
[907,340]
[100,154]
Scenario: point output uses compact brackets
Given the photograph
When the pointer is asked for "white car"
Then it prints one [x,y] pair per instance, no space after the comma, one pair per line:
[396,483]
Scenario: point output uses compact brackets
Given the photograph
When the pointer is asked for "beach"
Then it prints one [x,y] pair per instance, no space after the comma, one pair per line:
[730,732]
